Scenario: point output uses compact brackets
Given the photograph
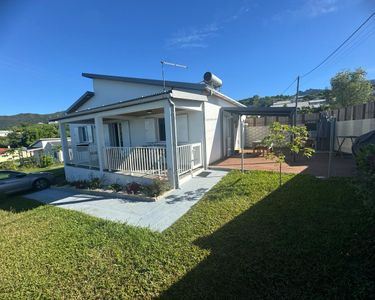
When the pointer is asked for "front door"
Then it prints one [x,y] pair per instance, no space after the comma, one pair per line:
[117,134]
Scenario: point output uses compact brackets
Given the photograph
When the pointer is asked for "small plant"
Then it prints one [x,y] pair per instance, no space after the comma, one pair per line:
[365,181]
[133,188]
[95,183]
[115,187]
[279,141]
[156,188]
[80,184]
[8,165]
[46,161]
[28,162]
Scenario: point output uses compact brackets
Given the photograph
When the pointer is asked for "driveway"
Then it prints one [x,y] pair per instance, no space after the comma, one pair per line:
[157,216]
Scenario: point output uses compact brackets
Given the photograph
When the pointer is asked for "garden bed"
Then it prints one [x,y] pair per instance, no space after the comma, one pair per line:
[131,191]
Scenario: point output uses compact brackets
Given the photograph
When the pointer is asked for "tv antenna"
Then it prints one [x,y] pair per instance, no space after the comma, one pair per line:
[163,62]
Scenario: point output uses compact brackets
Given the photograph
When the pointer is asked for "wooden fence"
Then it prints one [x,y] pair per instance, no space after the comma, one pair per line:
[355,112]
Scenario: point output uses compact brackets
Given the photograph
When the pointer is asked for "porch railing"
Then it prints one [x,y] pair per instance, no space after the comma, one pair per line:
[84,155]
[189,157]
[149,160]
[143,160]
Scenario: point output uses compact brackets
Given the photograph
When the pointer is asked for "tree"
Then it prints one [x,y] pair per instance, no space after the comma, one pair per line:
[25,135]
[279,140]
[351,88]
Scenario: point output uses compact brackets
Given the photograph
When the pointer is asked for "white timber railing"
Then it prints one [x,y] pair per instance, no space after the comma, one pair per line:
[84,155]
[150,160]
[189,157]
[143,160]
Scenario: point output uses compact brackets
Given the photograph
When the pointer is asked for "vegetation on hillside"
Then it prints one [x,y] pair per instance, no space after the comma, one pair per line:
[7,122]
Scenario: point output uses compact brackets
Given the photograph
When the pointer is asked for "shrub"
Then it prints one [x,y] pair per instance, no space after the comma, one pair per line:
[365,181]
[133,188]
[28,162]
[46,161]
[95,183]
[156,188]
[8,165]
[115,187]
[80,184]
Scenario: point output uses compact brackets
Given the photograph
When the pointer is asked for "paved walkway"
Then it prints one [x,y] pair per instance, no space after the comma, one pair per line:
[157,215]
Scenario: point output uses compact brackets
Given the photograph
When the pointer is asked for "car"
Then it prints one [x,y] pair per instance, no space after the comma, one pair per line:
[12,181]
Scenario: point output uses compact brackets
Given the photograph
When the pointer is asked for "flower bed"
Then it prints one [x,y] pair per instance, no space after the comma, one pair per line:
[133,190]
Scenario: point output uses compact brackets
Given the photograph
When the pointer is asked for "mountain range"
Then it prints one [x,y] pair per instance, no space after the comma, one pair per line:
[7,122]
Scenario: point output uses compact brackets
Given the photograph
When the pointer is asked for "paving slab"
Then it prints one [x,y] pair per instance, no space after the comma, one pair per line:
[157,216]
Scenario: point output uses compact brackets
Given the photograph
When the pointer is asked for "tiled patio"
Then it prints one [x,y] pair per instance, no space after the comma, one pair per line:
[317,165]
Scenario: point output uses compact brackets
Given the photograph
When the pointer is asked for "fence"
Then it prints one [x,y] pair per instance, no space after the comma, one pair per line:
[355,112]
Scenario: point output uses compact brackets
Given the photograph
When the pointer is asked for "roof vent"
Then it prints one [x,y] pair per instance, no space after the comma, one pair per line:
[212,80]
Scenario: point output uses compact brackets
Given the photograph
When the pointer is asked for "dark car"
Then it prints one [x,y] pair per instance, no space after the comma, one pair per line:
[12,181]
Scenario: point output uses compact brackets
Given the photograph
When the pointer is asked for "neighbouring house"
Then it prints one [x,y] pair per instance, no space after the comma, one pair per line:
[4,133]
[47,146]
[133,129]
[316,103]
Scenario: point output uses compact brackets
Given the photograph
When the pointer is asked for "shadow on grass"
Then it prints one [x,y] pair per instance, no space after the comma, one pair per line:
[298,242]
[16,203]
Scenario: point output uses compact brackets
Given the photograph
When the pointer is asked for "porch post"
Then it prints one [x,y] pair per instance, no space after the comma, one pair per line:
[171,143]
[99,134]
[64,142]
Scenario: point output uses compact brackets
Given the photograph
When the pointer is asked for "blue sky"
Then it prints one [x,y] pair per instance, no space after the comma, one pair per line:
[255,47]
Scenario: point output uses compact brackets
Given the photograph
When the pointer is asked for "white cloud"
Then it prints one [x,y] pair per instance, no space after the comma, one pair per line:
[193,38]
[198,37]
[316,8]
[308,8]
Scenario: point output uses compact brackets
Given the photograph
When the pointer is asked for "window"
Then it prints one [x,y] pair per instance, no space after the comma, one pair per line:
[161,123]
[83,135]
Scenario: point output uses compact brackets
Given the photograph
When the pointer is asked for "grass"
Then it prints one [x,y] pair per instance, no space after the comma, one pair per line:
[246,239]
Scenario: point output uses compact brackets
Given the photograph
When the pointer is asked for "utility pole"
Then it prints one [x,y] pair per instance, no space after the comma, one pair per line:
[295,112]
[296,104]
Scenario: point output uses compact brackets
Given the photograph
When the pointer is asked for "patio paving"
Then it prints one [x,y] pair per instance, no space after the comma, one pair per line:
[157,216]
[317,165]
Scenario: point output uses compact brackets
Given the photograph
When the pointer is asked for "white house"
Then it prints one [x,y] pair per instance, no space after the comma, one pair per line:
[133,129]
[47,146]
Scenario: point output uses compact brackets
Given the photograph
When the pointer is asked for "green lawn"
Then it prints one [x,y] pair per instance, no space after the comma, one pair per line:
[246,239]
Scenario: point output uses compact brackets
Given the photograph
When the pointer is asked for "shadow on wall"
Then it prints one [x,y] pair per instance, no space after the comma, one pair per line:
[292,244]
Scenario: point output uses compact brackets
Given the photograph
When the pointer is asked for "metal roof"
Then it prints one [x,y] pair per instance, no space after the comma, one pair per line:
[111,106]
[169,84]
[81,100]
[262,111]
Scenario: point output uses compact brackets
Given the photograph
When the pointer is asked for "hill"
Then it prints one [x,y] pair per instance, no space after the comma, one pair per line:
[7,122]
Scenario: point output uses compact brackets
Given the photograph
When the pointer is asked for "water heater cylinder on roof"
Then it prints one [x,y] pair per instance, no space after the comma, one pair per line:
[212,80]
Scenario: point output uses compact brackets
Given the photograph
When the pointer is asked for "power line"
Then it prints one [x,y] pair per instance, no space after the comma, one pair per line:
[288,86]
[339,47]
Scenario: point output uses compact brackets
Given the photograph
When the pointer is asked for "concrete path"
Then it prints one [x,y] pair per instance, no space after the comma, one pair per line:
[157,216]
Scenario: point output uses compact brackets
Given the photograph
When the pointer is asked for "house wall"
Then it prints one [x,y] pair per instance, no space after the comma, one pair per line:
[354,128]
[194,132]
[109,91]
[214,134]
